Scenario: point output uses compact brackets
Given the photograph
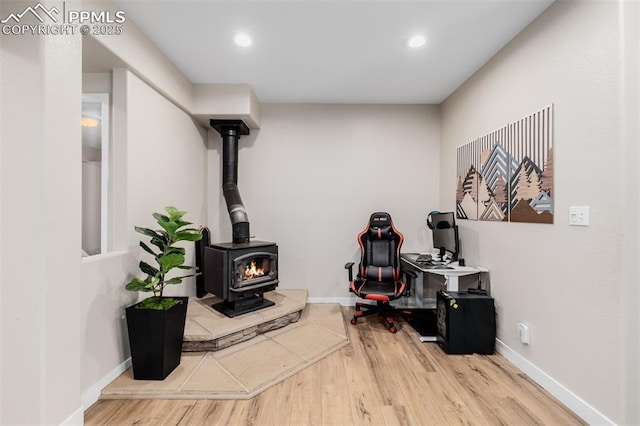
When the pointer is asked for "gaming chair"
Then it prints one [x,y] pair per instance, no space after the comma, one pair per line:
[378,276]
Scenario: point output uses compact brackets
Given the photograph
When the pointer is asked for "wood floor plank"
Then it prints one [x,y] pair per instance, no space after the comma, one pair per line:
[102,411]
[273,406]
[335,409]
[305,409]
[468,403]
[202,412]
[413,372]
[530,394]
[177,413]
[380,378]
[397,415]
[365,400]
[149,413]
[128,414]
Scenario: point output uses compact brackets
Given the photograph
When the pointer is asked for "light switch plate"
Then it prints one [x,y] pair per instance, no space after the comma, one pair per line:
[579,215]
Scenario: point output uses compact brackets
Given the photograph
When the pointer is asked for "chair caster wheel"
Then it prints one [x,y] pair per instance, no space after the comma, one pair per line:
[393,329]
[354,321]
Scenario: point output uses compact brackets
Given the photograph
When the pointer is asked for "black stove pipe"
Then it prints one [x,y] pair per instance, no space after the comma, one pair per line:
[231,130]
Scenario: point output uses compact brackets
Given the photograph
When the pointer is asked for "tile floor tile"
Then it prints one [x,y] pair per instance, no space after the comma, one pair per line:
[125,384]
[258,364]
[322,310]
[309,340]
[209,376]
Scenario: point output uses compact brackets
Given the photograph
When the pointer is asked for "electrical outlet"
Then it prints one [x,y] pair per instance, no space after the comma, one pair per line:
[523,333]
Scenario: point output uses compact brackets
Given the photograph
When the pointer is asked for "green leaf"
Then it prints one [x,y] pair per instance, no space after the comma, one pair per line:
[185,267]
[146,231]
[191,231]
[148,269]
[170,227]
[147,248]
[171,250]
[160,242]
[160,217]
[182,223]
[187,235]
[174,214]
[175,280]
[136,284]
[170,261]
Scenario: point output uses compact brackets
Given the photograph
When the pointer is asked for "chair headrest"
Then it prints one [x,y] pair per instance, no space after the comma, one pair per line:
[379,220]
[380,227]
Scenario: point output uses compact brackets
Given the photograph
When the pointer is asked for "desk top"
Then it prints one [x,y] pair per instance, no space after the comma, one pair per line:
[423,298]
[450,269]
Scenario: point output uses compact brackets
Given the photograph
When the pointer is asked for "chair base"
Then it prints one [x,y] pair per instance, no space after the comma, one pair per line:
[381,308]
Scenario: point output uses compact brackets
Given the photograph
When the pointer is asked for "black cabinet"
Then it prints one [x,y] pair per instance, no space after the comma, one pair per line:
[466,322]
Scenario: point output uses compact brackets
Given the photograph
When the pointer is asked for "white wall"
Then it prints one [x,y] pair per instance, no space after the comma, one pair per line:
[313,174]
[104,330]
[165,164]
[629,13]
[40,217]
[564,282]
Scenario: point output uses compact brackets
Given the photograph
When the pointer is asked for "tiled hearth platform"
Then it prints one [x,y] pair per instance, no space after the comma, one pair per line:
[245,355]
[209,330]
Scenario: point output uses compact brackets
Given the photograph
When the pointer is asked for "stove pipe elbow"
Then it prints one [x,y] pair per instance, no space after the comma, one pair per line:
[237,213]
[231,130]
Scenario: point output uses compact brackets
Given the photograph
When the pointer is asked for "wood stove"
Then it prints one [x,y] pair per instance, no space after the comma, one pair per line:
[239,272]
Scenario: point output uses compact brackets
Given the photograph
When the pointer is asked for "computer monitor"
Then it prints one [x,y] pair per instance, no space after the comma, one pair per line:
[445,234]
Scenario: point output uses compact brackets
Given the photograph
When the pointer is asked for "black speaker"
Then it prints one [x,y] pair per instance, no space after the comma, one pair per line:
[466,323]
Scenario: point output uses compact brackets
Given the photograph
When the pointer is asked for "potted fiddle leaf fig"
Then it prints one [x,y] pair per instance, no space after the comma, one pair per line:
[156,324]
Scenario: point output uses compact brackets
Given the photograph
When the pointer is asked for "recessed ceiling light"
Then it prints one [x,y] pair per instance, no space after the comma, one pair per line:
[416,41]
[243,40]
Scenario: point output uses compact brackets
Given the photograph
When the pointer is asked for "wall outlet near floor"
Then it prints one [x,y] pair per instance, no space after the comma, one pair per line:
[523,333]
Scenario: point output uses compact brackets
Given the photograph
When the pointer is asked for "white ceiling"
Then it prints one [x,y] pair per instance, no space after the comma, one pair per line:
[333,51]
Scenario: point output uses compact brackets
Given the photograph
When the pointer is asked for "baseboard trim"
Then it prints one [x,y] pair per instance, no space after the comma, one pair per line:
[576,404]
[91,395]
[344,301]
[75,419]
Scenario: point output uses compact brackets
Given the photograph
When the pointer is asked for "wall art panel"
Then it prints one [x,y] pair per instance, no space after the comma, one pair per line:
[507,175]
[467,181]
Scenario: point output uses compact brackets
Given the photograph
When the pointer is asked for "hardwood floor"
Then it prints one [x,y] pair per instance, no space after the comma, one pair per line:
[378,379]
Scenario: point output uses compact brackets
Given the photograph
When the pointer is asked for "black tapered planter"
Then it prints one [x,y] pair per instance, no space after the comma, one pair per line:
[155,338]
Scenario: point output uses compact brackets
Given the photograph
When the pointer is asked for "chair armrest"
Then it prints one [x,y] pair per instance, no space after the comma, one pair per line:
[349,266]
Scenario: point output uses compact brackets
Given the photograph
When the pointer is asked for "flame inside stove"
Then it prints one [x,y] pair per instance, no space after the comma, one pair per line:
[252,271]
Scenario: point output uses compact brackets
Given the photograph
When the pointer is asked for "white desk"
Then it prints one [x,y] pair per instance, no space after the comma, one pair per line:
[450,274]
